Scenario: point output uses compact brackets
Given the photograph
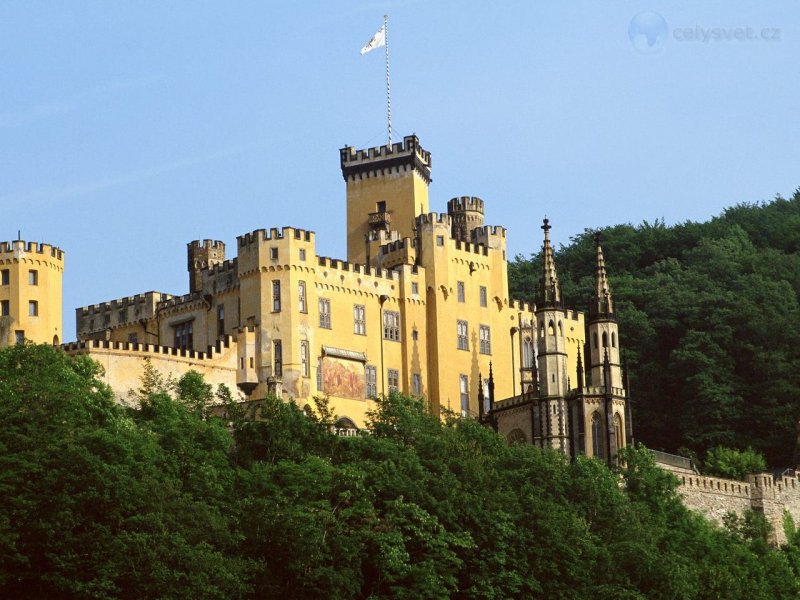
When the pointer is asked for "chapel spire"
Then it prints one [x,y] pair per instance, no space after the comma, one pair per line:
[549,287]
[602,302]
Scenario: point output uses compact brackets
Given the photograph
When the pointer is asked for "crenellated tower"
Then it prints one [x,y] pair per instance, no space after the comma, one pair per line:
[202,255]
[387,188]
[466,215]
[552,420]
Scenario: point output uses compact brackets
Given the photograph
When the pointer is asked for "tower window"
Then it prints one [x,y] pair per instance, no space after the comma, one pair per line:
[277,358]
[393,377]
[220,319]
[276,296]
[304,358]
[463,387]
[462,335]
[551,328]
[184,337]
[5,308]
[302,254]
[485,340]
[613,340]
[605,340]
[440,240]
[324,313]
[483,296]
[460,291]
[391,325]
[273,253]
[371,375]
[359,319]
[380,206]
[301,300]
[416,384]
[33,308]
[33,277]
[122,316]
[594,340]
[5,277]
[319,374]
[598,448]
[414,289]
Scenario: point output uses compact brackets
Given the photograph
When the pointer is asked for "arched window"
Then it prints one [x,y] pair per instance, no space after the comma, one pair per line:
[517,436]
[541,329]
[605,340]
[618,432]
[345,427]
[560,329]
[613,340]
[527,353]
[55,340]
[551,328]
[598,439]
[594,340]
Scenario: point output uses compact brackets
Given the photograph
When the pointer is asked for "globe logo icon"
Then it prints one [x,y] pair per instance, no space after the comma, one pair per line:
[648,33]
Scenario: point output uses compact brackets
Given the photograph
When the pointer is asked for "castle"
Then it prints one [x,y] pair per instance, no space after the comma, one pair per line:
[420,306]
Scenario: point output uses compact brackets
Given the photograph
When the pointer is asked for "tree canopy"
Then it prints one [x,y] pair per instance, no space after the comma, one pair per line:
[709,323]
[166,500]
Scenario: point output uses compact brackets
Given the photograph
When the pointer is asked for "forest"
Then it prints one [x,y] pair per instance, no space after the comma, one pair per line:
[165,499]
[709,324]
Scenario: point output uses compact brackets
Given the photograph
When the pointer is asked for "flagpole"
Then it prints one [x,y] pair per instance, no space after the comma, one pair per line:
[388,93]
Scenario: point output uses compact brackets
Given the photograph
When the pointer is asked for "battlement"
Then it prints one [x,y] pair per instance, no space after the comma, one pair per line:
[18,246]
[470,247]
[464,203]
[87,346]
[228,265]
[273,234]
[207,245]
[121,303]
[175,301]
[521,306]
[407,154]
[487,231]
[396,245]
[343,265]
[715,485]
[433,218]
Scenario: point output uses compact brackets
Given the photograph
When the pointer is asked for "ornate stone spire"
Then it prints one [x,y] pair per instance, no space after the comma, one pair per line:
[602,303]
[549,288]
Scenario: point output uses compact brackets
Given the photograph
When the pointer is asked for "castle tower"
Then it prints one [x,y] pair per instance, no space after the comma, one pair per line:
[201,255]
[552,411]
[466,215]
[387,187]
[30,293]
[603,330]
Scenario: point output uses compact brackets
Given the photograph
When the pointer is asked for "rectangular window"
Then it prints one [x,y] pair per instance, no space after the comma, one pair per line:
[133,338]
[184,335]
[393,379]
[302,254]
[485,340]
[440,240]
[5,308]
[319,374]
[302,296]
[483,296]
[273,253]
[359,319]
[33,277]
[371,375]
[33,308]
[6,276]
[122,316]
[276,296]
[416,384]
[19,338]
[106,320]
[415,289]
[464,393]
[277,357]
[304,358]
[462,297]
[220,320]
[324,313]
[391,325]
[462,335]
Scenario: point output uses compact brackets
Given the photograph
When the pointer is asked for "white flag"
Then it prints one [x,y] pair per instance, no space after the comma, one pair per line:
[378,41]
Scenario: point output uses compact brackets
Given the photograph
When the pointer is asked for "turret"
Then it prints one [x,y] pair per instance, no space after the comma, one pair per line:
[466,215]
[202,255]
[549,287]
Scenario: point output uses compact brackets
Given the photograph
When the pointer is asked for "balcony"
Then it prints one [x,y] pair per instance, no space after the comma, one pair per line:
[380,220]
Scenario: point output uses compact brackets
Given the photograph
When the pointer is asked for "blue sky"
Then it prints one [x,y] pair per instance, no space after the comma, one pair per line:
[128,129]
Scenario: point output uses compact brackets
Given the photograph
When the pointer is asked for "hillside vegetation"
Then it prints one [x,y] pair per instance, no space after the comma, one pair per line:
[166,501]
[709,322]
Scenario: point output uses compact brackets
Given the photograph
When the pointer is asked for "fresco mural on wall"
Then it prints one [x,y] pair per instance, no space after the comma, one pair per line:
[343,378]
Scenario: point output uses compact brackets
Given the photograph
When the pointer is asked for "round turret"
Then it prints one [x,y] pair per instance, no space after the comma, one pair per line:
[202,255]
[466,213]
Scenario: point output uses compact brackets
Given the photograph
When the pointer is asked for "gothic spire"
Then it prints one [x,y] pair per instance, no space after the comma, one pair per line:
[602,303]
[549,288]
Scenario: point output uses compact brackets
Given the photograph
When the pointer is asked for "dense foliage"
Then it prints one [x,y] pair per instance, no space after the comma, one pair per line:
[166,501]
[709,320]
